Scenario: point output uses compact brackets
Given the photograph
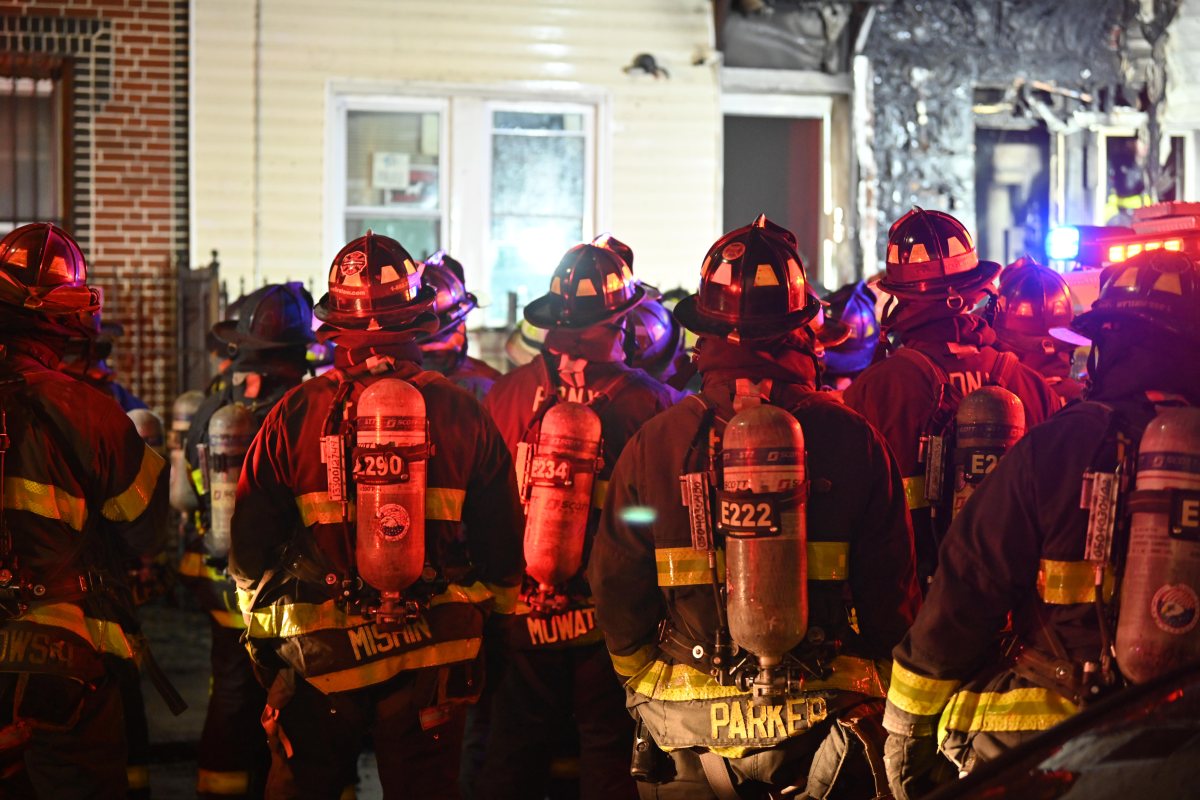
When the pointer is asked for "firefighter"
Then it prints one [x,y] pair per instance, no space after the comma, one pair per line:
[377,519]
[1033,301]
[555,662]
[87,360]
[660,569]
[267,346]
[935,279]
[82,495]
[853,305]
[654,343]
[445,351]
[1026,525]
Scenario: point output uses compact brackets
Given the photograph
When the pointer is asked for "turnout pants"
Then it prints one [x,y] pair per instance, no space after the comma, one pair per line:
[316,738]
[538,691]
[233,759]
[827,763]
[61,739]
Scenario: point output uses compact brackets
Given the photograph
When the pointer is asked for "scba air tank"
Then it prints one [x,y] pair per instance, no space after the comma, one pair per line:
[1157,624]
[389,474]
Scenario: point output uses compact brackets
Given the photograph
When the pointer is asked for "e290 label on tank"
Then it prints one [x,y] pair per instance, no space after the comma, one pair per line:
[379,465]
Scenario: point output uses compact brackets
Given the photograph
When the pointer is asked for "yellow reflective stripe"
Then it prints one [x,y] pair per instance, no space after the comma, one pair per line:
[506,598]
[1027,709]
[628,666]
[45,500]
[104,635]
[222,782]
[244,598]
[198,481]
[316,508]
[685,566]
[444,504]
[129,504]
[349,793]
[828,561]
[284,620]
[379,671]
[195,565]
[916,694]
[475,594]
[1067,582]
[228,619]
[914,492]
[137,777]
[599,492]
[680,682]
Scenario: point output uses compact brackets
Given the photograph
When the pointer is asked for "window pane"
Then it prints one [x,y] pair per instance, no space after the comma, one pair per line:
[526,121]
[420,237]
[30,151]
[539,165]
[392,159]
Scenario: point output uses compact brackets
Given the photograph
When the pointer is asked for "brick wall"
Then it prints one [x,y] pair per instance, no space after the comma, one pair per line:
[128,154]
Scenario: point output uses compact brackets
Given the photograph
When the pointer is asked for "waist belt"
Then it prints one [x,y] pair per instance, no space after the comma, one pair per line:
[70,587]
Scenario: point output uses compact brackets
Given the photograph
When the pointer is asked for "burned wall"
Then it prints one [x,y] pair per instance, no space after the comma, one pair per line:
[928,56]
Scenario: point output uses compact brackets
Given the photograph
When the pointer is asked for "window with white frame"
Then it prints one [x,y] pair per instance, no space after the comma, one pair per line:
[506,185]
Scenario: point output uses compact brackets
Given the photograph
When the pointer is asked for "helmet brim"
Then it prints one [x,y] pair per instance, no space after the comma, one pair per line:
[226,332]
[962,283]
[833,332]
[416,316]
[688,312]
[545,312]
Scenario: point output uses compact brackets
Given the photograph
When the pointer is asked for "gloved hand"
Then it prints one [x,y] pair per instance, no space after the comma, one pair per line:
[909,761]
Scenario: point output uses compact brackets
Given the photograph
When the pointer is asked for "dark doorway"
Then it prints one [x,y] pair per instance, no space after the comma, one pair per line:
[773,166]
[1012,192]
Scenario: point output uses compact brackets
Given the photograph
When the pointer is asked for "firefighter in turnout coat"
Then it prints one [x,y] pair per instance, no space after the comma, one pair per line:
[268,346]
[662,601]
[368,560]
[1017,550]
[557,673]
[935,279]
[83,495]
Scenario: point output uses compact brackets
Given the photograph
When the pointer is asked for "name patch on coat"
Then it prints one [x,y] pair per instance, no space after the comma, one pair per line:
[367,641]
[561,627]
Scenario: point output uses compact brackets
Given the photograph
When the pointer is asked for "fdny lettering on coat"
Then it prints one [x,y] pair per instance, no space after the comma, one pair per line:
[567,394]
[32,649]
[561,627]
[967,382]
[742,719]
[368,641]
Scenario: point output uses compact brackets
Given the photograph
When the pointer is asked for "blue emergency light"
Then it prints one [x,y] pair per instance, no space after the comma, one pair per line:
[1062,243]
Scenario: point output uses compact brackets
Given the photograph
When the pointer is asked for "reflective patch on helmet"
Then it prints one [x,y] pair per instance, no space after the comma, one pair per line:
[353,280]
[585,288]
[1168,282]
[723,274]
[733,251]
[918,253]
[765,276]
[409,266]
[1128,278]
[954,247]
[354,262]
[626,272]
[612,283]
[1024,309]
[556,286]
[388,274]
[60,268]
[893,255]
